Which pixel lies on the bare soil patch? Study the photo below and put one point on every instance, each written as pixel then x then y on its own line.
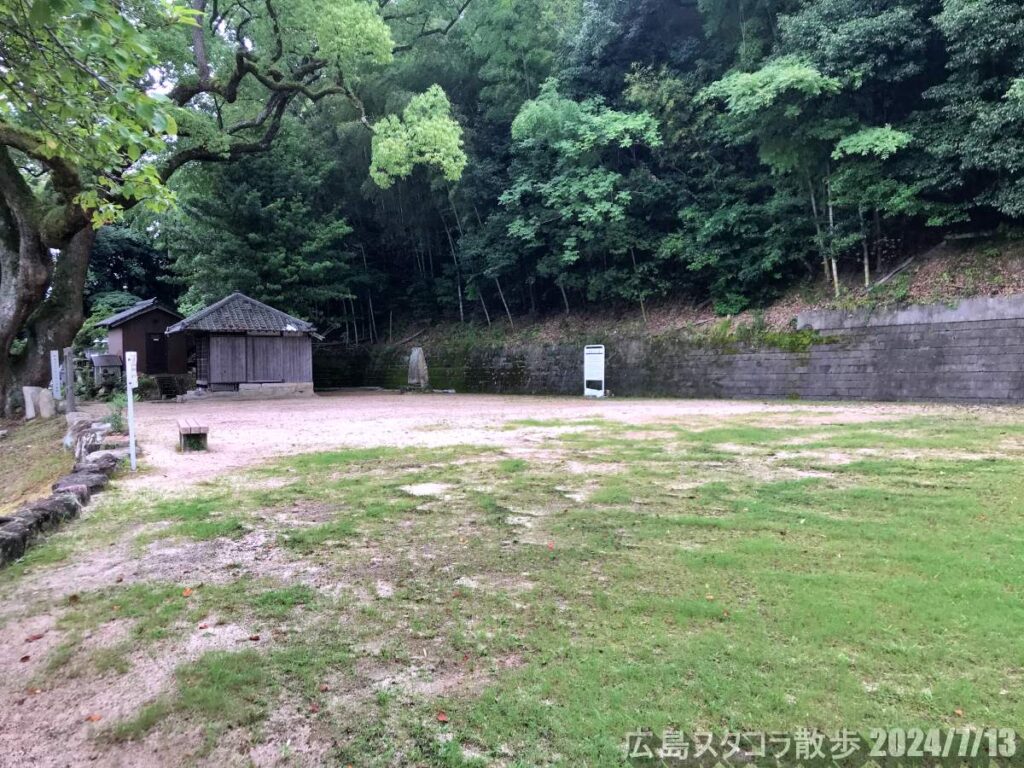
pixel 243 433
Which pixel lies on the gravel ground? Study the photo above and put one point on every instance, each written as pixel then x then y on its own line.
pixel 243 432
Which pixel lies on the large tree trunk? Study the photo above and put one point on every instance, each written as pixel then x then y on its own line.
pixel 25 267
pixel 40 295
pixel 56 320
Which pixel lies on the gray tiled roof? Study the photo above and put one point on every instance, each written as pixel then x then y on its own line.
pixel 134 310
pixel 238 313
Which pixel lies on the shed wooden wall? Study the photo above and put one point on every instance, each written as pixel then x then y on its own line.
pixel 115 343
pixel 130 336
pixel 227 359
pixel 238 358
pixel 265 354
pixel 297 358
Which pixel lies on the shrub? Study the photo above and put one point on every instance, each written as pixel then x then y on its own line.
pixel 117 405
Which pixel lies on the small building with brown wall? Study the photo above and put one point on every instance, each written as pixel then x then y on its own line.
pixel 141 328
pixel 243 345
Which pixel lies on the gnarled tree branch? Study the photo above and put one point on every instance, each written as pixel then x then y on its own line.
pixel 435 31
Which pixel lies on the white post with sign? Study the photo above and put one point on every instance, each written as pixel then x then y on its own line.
pixel 131 381
pixel 593 370
pixel 55 375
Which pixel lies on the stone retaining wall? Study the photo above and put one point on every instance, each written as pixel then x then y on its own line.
pixel 91 472
pixel 973 352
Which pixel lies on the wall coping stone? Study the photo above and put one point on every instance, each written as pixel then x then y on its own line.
pixel 966 311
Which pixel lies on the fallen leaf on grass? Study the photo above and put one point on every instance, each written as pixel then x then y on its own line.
pixel 325 688
pixel 24 658
pixel 203 626
pixel 187 592
pixel 958 712
pixel 254 638
pixel 73 598
pixel 442 716
pixel 314 707
pixel 33 638
pixel 93 718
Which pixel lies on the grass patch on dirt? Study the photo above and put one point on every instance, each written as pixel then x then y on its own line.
pixel 31 459
pixel 700 578
pixel 554 423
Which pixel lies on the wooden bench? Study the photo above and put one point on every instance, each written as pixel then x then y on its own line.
pixel 192 434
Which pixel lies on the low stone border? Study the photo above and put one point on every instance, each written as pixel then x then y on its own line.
pixel 90 474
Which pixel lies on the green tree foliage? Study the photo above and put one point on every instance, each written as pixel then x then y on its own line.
pixel 476 160
pixel 125 260
pixel 69 95
pixel 979 127
pixel 102 103
pixel 102 305
pixel 425 135
pixel 570 195
pixel 273 235
pixel 617 150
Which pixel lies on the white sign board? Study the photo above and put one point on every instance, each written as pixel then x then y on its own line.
pixel 55 374
pixel 131 381
pixel 593 370
pixel 131 369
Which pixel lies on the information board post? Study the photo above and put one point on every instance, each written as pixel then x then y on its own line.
pixel 55 389
pixel 593 370
pixel 131 381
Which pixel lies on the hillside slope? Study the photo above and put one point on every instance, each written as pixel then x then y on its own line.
pixel 949 272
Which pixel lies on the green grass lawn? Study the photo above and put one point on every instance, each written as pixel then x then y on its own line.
pixel 31 458
pixel 750 576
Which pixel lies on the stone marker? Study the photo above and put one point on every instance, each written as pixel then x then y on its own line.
pixel 31 397
pixel 46 405
pixel 418 369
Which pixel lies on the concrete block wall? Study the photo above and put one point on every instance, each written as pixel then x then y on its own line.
pixel 971 353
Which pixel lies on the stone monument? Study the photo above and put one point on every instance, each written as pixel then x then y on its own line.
pixel 418 377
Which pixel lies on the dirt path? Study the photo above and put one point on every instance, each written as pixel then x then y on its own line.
pixel 246 432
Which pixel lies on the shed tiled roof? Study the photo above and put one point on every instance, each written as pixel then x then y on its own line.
pixel 238 313
pixel 134 310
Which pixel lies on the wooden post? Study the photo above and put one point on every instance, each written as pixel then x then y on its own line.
pixel 69 379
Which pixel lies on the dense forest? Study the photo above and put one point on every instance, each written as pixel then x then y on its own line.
pixel 537 156
pixel 620 150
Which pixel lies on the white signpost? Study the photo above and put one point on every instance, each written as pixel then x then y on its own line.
pixel 593 370
pixel 131 381
pixel 55 375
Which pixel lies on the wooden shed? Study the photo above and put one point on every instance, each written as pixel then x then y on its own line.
pixel 243 344
pixel 140 328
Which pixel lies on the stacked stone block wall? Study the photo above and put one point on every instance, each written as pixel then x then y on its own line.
pixel 971 353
